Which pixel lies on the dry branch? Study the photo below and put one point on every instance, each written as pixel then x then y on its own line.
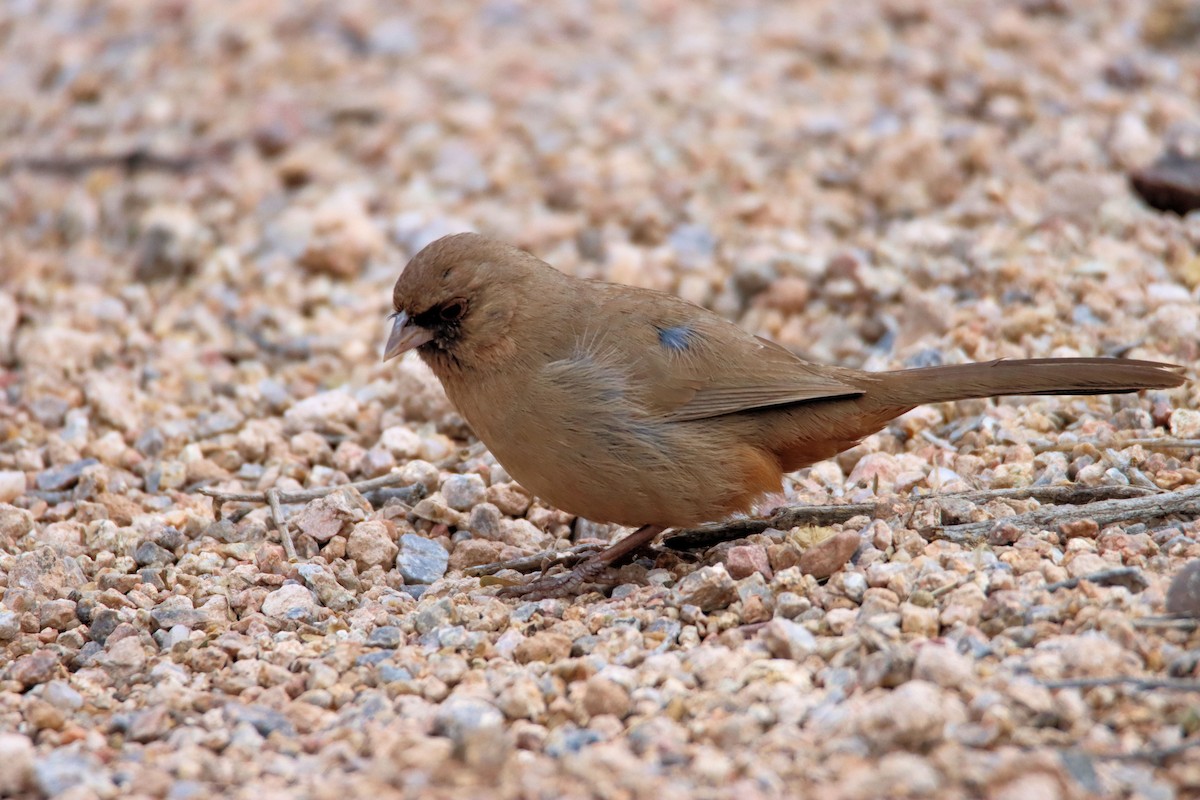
pixel 1106 512
pixel 1172 684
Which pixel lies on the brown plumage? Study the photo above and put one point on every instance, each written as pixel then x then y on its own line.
pixel 632 406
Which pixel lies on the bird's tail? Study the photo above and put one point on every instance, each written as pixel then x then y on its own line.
pixel 912 387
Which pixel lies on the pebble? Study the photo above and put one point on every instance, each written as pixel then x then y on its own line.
pixel 331 515
pixel 913 716
pixel 421 560
pixel 743 561
pixel 485 522
pixel 435 509
pixel 463 492
pixel 66 768
pixel 943 665
pixel 824 559
pixel 12 485
pixel 33 668
pixel 545 646
pixel 1185 423
pixel 64 477
pixel 476 729
pixel 510 498
pixel 404 444
pixel 388 636
pixel 433 615
pixel 1183 595
pixel 17 755
pixel 290 602
pixel 372 544
pixel 708 588
pixel 330 593
pixel 787 639
pixel 321 410
pixel 603 696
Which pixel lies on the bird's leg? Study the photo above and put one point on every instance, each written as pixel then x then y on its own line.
pixel 571 583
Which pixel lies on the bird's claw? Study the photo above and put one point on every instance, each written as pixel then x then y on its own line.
pixel 567 584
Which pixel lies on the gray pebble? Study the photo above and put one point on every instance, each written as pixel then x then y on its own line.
pixel 463 492
pixel 432 615
pixel 421 560
pixel 476 728
pixel 787 639
pixel 60 694
pixel 151 554
pixel 386 636
pixel 10 625
pixel 484 522
pixel 63 477
pixel 66 768
pixel 264 720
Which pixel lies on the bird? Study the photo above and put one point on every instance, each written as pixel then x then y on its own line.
pixel 632 406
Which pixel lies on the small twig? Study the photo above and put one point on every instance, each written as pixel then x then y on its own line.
pixel 1129 577
pixel 285 534
pixel 1158 442
pixel 304 495
pixel 1065 494
pixel 1133 681
pixel 782 519
pixel 276 498
pixel 954 584
pixel 933 438
pixel 131 160
pixel 1167 623
pixel 1165 442
pixel 793 516
pixel 543 560
pixel 1104 512
pixel 1155 755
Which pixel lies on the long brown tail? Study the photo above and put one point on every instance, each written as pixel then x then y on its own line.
pixel 912 387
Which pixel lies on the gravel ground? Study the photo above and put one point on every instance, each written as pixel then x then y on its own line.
pixel 203 207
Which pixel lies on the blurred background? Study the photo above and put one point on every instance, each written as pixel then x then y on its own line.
pixel 857 180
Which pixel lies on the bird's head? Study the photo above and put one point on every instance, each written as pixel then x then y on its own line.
pixel 458 298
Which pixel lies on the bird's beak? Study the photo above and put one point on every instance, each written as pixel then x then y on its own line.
pixel 405 336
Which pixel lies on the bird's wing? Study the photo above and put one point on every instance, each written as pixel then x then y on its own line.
pixel 688 363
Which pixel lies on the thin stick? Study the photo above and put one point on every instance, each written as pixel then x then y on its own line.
pixel 1171 684
pixel 794 516
pixel 131 160
pixel 1104 512
pixel 304 495
pixel 1167 623
pixel 782 519
pixel 285 534
pixel 1154 443
pixel 1155 755
pixel 1165 442
pixel 1129 577
pixel 1065 494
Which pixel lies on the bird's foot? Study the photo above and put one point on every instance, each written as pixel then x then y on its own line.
pixel 564 584
pixel 569 584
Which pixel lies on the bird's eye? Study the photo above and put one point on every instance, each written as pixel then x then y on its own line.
pixel 453 311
